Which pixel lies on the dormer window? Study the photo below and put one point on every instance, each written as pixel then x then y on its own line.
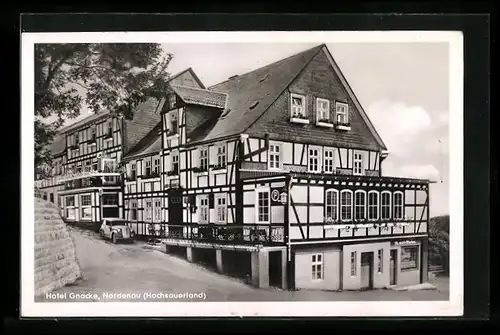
pixel 298 109
pixel 342 116
pixel 323 113
pixel 173 124
pixel 172 100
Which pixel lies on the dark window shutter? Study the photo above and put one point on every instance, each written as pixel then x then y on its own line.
pixel 211 200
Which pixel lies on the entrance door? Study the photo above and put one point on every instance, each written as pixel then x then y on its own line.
pixel 367 270
pixel 393 267
pixel 175 219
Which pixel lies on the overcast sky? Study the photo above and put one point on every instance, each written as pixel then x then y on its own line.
pixel 404 88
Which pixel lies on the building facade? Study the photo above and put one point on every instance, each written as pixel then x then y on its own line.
pixel 276 174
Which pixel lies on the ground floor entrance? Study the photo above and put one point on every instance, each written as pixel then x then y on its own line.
pixel 393 266
pixel 366 270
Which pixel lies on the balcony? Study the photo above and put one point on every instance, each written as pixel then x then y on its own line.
pixel 228 234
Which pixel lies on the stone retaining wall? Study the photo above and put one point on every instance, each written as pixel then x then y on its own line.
pixel 56 264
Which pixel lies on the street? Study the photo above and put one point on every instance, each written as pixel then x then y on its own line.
pixel 132 269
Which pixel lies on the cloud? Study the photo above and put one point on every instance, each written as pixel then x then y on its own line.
pixel 399 125
pixel 418 171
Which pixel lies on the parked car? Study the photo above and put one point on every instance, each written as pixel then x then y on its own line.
pixel 116 230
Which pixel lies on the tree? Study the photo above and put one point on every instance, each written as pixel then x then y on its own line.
pixel 439 241
pixel 113 77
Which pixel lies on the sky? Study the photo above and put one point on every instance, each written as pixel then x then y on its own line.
pixel 403 87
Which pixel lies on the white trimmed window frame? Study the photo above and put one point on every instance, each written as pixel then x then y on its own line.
pixel 204 209
pixel 314 160
pixel 375 206
pixel 294 109
pixel 395 205
pixel 69 207
pixel 348 206
pixel 274 158
pixel 358 166
pixel 323 113
pixel 157 209
pixel 133 209
pixel 204 158
pixel 221 155
pixel 388 206
pixel 148 210
pixel 156 165
pixel 356 205
pixel 82 206
pixel 317 268
pixel 341 112
pixel 220 205
pixel 329 161
pixel 175 162
pixel 332 207
pixel 258 191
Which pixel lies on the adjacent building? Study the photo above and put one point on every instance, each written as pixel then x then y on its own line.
pixel 275 174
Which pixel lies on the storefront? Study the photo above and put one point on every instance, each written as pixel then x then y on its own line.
pixel 361 266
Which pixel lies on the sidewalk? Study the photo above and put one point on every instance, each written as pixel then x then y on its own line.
pixel 417 287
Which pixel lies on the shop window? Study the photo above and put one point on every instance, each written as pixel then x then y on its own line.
pixel 409 258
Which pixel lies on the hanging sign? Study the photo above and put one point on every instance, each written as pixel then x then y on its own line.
pixel 276 198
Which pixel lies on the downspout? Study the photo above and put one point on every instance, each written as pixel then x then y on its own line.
pixel 289 269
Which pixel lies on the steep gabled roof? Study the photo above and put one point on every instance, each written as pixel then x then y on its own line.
pixel 149 144
pixel 58 145
pixel 202 97
pixel 250 94
pixel 96 116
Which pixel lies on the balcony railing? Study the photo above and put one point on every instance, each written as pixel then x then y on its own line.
pixel 238 234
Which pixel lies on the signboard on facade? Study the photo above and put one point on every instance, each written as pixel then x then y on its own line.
pixel 404 242
pixel 276 195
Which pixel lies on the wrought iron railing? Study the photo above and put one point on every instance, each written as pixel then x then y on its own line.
pixel 239 234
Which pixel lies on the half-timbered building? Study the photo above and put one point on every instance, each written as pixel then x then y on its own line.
pixel 277 173
pixel 85 178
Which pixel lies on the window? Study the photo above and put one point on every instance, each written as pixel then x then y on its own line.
pixel 317 266
pixel 85 205
pixel 328 164
pixel 175 163
pixel 95 166
pixel 204 159
pixel 70 207
pixel 357 163
pixel 148 212
pixel 148 167
pixel 220 208
pixel 332 209
pixel 172 101
pixel 373 205
pixel 51 196
pixel 346 205
pixel 92 137
pixel 274 156
pixel 109 165
pixel 88 166
pixel 156 166
pixel 313 160
pixel 157 210
pixel 353 264
pixel 133 209
pixel 398 205
pixel 341 113
pixel 77 139
pixel 110 199
pixel 380 260
pixel 109 126
pixel 298 106
pixel 360 205
pixel 174 122
pixel 133 171
pixel 323 110
pixel 203 218
pixel 263 206
pixel 385 205
pixel 221 155
pixel 409 258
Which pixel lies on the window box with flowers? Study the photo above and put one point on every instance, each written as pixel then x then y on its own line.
pixel 299 118
pixel 173 173
pixel 343 126
pixel 215 168
pixel 324 123
pixel 201 171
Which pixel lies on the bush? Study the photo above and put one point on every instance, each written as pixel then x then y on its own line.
pixel 439 241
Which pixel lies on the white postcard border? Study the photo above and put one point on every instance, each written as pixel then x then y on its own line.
pixel 453 307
